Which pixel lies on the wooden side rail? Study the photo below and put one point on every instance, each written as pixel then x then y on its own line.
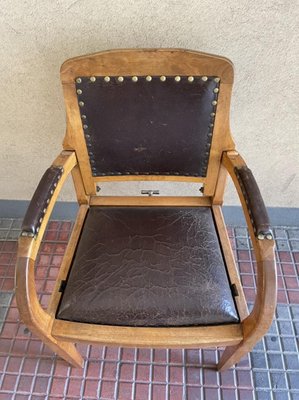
pixel 259 320
pixel 31 312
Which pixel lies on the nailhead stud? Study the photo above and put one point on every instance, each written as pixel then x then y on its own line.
pixel 120 79
pixel 177 78
pixel 79 91
pixel 81 103
pixel 135 78
pixel 217 80
pixel 83 116
pixel 148 78
pixel 92 78
pixel 204 78
pixel 162 78
pixel 190 78
pixel 107 79
pixel 214 102
pixel 261 236
pixel 216 90
pixel 78 80
pixel 269 236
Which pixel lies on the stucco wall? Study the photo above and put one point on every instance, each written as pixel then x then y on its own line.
pixel 259 37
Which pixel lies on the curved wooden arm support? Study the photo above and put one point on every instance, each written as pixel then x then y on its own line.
pixel 259 320
pixel 31 312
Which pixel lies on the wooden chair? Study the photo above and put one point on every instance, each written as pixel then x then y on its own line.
pixel 148 271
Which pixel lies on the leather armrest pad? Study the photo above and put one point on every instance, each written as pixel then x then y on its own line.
pixel 254 201
pixel 40 200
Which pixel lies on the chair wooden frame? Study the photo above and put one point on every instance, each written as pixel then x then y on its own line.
pixel 61 335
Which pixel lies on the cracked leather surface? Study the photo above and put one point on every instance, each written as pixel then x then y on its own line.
pixel 162 128
pixel 148 266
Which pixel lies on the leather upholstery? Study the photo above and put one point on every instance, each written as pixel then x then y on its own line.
pixel 148 266
pixel 40 200
pixel 254 201
pixel 142 127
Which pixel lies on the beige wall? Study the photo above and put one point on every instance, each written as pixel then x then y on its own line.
pixel 260 37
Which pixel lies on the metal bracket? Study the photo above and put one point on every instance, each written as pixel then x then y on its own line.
pixel 150 192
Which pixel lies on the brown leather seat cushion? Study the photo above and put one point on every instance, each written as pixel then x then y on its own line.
pixel 148 266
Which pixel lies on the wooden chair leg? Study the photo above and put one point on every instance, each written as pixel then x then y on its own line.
pixel 65 350
pixel 232 355
pixel 35 318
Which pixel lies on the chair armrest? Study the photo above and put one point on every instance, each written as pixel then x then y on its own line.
pixel 33 228
pixel 40 200
pixel 261 316
pixel 254 202
pixel 250 196
pixel 46 193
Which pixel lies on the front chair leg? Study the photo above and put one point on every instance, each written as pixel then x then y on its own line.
pixel 35 318
pixel 65 350
pixel 232 355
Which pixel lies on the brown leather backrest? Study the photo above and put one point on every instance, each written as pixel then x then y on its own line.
pixel 148 125
pixel 148 112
